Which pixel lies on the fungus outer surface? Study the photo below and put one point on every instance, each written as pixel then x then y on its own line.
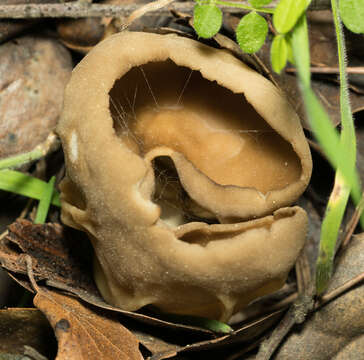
pixel 181 161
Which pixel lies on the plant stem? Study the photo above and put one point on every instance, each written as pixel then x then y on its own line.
pixel 242 6
pixel 35 154
pixel 18 160
pixel 348 136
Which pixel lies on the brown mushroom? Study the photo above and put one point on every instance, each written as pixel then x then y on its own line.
pixel 181 161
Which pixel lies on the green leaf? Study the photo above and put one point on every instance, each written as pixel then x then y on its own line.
pixel 287 14
pixel 352 15
pixel 251 32
pixel 279 53
pixel 207 20
pixel 260 3
pixel 45 202
pixel 22 184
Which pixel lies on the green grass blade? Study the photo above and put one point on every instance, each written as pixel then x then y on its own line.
pixel 45 202
pixel 324 131
pixel 22 184
pixel 347 157
pixel 329 232
pixel 340 150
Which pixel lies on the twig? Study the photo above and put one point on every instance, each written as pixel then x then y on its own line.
pixel 268 347
pixel 353 223
pixel 339 291
pixel 316 147
pixel 29 264
pixel 82 10
pixel 302 305
pixel 331 70
pixel 142 10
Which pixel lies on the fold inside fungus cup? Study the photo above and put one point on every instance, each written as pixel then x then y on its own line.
pixel 181 161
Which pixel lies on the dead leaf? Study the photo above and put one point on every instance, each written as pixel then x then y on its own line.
pixel 56 253
pixel 85 333
pixel 34 72
pixel 335 331
pixel 25 327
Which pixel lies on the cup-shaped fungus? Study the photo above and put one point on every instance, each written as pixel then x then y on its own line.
pixel 181 161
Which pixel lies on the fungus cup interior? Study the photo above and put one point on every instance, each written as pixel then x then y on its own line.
pixel 160 105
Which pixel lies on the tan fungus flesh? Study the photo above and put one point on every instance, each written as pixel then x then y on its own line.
pixel 163 173
pixel 195 116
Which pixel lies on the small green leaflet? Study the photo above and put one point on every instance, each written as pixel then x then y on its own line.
pixel 251 32
pixel 259 3
pixel 287 13
pixel 279 53
pixel 45 202
pixel 207 20
pixel 352 15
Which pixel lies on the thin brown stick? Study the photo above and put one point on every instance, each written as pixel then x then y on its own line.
pixel 331 70
pixel 353 223
pixel 79 9
pixel 29 264
pixel 269 346
pixel 316 147
pixel 339 291
pixel 302 305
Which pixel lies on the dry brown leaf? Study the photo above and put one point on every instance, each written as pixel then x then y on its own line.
pixel 34 72
pixel 85 333
pixel 335 331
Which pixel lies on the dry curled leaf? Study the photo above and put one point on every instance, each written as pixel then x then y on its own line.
pixel 56 254
pixel 85 333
